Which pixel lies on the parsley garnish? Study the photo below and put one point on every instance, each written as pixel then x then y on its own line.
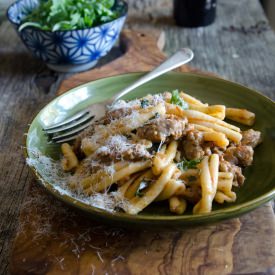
pixel 188 164
pixel 144 103
pixel 177 100
pixel 157 115
pixel 141 188
pixel 53 15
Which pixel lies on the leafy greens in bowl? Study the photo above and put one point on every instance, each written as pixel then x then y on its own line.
pixel 68 35
pixel 53 15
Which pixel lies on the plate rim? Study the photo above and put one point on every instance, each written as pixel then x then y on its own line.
pixel 221 214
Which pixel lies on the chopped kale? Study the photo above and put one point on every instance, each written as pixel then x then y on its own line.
pixel 157 115
pixel 188 164
pixel 144 103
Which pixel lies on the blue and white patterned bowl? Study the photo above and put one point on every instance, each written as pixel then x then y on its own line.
pixel 67 51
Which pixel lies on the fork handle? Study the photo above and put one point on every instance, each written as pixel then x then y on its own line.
pixel 179 58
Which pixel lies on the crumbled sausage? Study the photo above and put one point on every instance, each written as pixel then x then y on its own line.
pixel 226 166
pixel 116 114
pixel 192 145
pixel 239 155
pixel 192 193
pixel 251 138
pixel 89 131
pixel 208 147
pixel 135 152
pixel 159 129
pixel 119 147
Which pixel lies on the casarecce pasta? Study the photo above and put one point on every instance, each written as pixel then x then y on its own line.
pixel 168 147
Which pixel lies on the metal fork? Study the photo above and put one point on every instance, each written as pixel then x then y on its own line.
pixel 68 129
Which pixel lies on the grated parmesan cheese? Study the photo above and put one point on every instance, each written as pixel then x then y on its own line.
pixel 156 99
pixel 153 99
pixel 105 141
pixel 118 147
pixel 52 173
pixel 116 143
pixel 124 104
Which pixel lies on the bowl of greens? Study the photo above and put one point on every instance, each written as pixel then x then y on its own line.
pixel 68 35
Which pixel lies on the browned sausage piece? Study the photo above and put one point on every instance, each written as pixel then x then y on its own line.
pixel 159 129
pixel 251 138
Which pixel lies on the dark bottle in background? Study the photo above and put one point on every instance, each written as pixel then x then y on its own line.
pixel 194 13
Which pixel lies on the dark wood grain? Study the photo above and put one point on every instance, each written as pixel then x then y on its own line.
pixel 54 239
pixel 22 93
pixel 26 85
pixel 57 239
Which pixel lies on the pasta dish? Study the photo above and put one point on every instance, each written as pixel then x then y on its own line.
pixel 165 147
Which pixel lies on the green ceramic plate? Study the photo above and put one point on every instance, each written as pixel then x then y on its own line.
pixel 258 187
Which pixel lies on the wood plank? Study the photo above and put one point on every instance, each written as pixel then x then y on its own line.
pixel 53 238
pixel 26 84
pixel 255 240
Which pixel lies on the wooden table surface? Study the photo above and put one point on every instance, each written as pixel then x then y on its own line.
pixel 240 46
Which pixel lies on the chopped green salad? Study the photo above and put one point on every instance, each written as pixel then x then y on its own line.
pixel 55 15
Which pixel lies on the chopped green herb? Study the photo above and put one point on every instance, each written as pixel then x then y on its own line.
pixel 54 15
pixel 188 164
pixel 143 185
pixel 177 100
pixel 144 103
pixel 157 115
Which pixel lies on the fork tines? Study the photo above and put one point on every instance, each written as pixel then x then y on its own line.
pixel 68 129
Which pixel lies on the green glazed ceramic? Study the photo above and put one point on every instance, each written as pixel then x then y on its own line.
pixel 260 177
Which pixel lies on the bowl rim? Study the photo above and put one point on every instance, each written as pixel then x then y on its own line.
pixel 122 15
pixel 216 215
